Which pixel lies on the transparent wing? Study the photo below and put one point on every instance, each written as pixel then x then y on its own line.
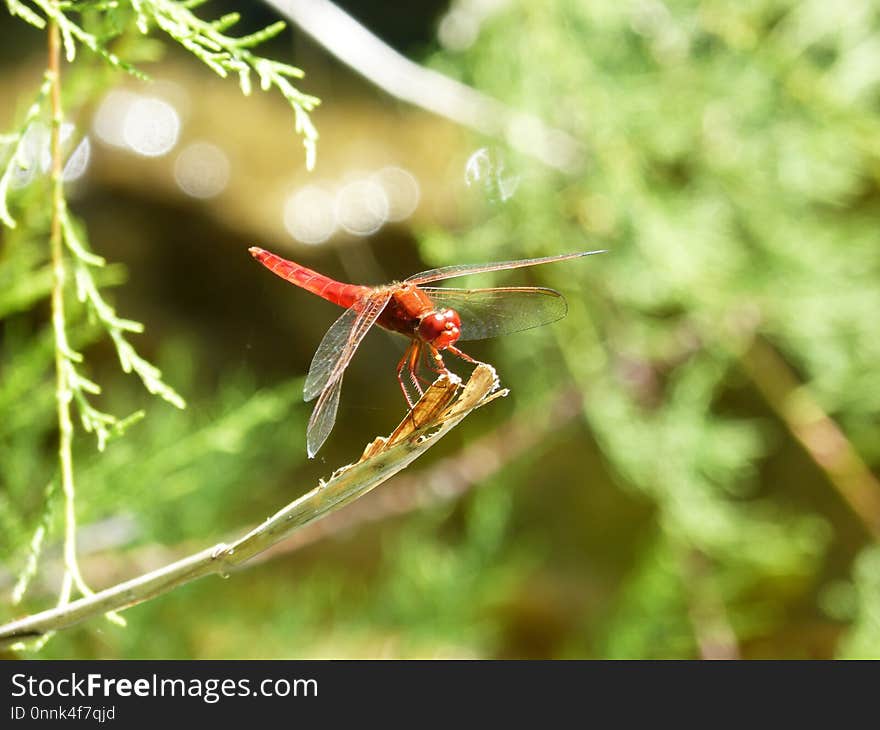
pixel 328 352
pixel 330 361
pixel 492 312
pixel 448 272
pixel 340 343
pixel 323 417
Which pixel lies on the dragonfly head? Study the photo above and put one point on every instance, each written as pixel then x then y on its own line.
pixel 441 328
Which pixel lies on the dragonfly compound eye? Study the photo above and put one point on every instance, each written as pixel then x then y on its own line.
pixel 440 329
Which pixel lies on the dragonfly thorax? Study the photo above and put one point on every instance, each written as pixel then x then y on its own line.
pixel 440 328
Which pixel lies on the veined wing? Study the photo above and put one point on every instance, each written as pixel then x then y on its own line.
pixel 492 312
pixel 448 272
pixel 330 361
pixel 340 342
pixel 323 417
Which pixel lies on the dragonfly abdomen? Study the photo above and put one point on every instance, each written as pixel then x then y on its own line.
pixel 345 295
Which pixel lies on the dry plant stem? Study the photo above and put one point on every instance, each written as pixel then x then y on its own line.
pixel 63 393
pixel 345 486
pixel 446 479
pixel 816 431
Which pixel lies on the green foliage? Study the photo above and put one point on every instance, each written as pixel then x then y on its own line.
pixel 442 592
pixel 730 149
pixel 16 159
pixel 651 618
pixel 224 55
pixel 37 139
pixel 863 638
pixel 105 425
pixel 236 436
pixel 421 591
pixel 206 40
pixel 730 167
pixel 228 439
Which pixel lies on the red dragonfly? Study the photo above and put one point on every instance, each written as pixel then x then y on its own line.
pixel 434 320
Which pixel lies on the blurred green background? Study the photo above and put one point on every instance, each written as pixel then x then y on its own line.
pixel 684 465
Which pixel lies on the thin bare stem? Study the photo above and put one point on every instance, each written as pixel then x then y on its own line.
pixel 447 479
pixel 816 431
pixel 63 393
pixel 442 408
pixel 63 353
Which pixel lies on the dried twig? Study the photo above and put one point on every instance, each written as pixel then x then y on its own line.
pixel 444 405
pixel 446 479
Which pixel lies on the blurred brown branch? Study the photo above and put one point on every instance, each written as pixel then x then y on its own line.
pixel 368 55
pixel 816 431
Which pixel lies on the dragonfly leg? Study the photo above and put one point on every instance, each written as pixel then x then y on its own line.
pixel 463 355
pixel 400 366
pixel 436 361
pixel 415 353
pixel 410 361
pixel 431 354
